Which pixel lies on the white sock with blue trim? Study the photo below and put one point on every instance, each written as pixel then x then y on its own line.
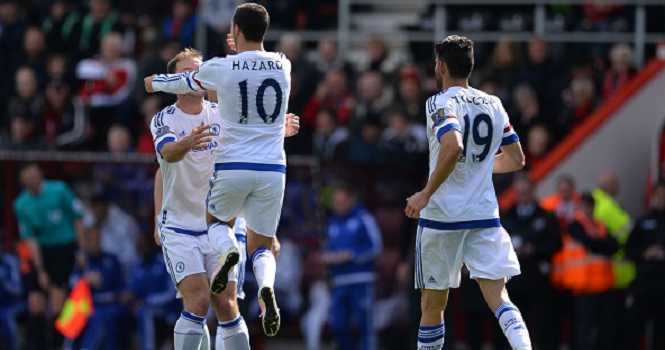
pixel 431 337
pixel 188 331
pixel 513 326
pixel 221 237
pixel 265 267
pixel 232 335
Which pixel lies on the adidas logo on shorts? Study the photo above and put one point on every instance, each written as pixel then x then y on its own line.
pixel 431 279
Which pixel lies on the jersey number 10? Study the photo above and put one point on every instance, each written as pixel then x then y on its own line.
pixel 485 141
pixel 260 108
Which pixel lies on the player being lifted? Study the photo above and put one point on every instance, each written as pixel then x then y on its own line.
pixel 186 134
pixel 458 211
pixel 249 173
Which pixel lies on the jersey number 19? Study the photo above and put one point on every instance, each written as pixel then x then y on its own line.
pixel 485 141
pixel 260 108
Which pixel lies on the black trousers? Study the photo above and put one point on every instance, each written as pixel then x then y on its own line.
pixel 641 306
pixel 594 321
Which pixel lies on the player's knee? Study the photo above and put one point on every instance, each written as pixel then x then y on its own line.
pixel 227 306
pixel 197 304
pixel 433 302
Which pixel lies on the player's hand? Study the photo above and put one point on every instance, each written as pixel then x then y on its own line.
pixel 415 204
pixel 292 124
pixel 231 43
pixel 155 235
pixel 199 138
pixel 148 84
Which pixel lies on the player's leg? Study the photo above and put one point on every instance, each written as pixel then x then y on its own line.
pixel 437 268
pixel 341 310
pixel 491 259
pixel 185 263
pixel 262 211
pixel 232 332
pixel 226 198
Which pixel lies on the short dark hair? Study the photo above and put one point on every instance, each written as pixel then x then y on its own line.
pixel 27 165
pixel 566 178
pixel 100 199
pixel 253 21
pixel 587 199
pixel 348 189
pixel 187 53
pixel 457 52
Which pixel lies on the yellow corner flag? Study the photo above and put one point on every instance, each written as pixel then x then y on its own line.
pixel 76 311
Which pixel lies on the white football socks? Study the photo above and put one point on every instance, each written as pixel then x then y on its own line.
pixel 221 237
pixel 205 338
pixel 233 335
pixel 431 337
pixel 513 326
pixel 265 267
pixel 188 331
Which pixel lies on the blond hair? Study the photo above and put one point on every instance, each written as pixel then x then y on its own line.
pixel 187 53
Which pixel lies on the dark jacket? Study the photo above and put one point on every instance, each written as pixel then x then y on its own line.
pixel 538 227
pixel 648 230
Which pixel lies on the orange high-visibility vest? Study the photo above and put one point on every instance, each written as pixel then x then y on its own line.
pixel 576 269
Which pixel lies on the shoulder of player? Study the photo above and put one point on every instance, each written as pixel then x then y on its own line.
pixel 163 118
pixel 440 100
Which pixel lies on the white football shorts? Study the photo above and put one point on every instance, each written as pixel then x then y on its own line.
pixel 187 255
pixel 487 252
pixel 257 196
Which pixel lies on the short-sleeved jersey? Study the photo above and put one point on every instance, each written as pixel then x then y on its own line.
pixel 186 181
pixel 49 217
pixel 466 200
pixel 253 88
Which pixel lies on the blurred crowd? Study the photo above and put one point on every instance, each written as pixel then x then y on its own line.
pixel 72 80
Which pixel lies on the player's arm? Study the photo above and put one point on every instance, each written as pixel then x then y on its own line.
pixel 173 150
pixel 180 83
pixel 450 149
pixel 158 197
pixel 510 159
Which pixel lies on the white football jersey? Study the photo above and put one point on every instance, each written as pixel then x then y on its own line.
pixel 253 89
pixel 185 182
pixel 466 200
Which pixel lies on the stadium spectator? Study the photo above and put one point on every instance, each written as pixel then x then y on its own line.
pixel 328 135
pixel 59 26
pixel 118 230
pixel 109 77
pixel 404 142
pixel 535 235
pixel 331 93
pixel 181 23
pixel 302 84
pixel 620 71
pixel 33 55
pixel 100 21
pixel 410 94
pixel 378 57
pixel 149 108
pixel 57 68
pixel 646 296
pixel 617 221
pixel 542 73
pixel 527 111
pixel 51 233
pixel 24 133
pixel 120 182
pixel 581 102
pixel 505 62
pixel 217 15
pixel 64 117
pixel 329 59
pixel 564 203
pixel 104 274
pixel 150 292
pixel 353 241
pixel 155 63
pixel 373 103
pixel 365 148
pixel 12 299
pixel 28 99
pixel 586 270
pixel 537 145
pixel 11 38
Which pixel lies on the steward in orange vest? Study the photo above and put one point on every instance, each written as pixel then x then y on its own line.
pixel 584 267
